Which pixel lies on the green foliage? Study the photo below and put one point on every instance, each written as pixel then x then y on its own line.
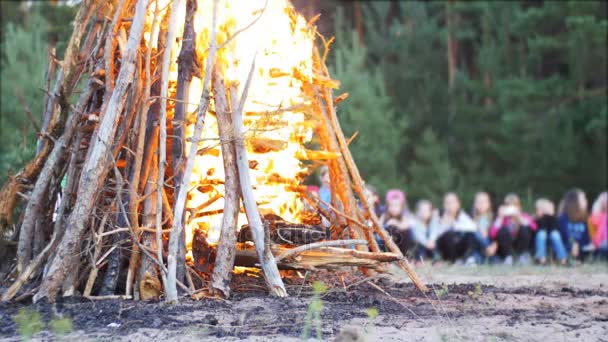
pixel 24 64
pixel 61 325
pixel 527 113
pixel 28 323
pixel 371 313
pixel 314 311
pixel 27 31
pixel 368 111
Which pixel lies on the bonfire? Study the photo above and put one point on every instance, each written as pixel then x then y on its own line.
pixel 174 149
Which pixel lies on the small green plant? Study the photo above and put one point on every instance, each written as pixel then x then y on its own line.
pixel 314 310
pixel 28 323
pixel 477 291
pixel 371 313
pixel 442 291
pixel 61 325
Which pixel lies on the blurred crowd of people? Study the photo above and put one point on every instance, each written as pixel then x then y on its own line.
pixel 568 234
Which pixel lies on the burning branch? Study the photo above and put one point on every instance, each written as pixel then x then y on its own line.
pixel 180 202
pixel 262 246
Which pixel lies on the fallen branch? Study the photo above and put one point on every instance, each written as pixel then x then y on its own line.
pixel 331 243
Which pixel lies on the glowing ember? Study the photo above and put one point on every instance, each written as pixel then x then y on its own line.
pixel 276 126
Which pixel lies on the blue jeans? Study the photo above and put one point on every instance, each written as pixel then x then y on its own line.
pixel 556 244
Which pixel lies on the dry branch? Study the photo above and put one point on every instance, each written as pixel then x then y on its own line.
pixel 95 164
pixel 226 249
pixel 180 201
pixel 162 142
pixel 262 245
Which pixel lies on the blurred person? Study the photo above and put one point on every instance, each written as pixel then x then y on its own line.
pixel 374 199
pixel 456 238
pixel 513 231
pixel 325 190
pixel 547 230
pixel 598 224
pixel 398 221
pixel 483 217
pixel 573 226
pixel 425 229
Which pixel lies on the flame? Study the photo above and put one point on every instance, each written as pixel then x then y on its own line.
pixel 276 124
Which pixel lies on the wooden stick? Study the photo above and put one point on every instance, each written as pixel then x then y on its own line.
pixel 95 164
pixel 359 186
pixel 271 272
pixel 180 202
pixel 331 243
pixel 226 249
pixel 162 142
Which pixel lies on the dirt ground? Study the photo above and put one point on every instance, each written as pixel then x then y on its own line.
pixel 496 303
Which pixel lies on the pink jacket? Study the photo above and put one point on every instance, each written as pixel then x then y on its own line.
pixel 505 221
pixel 600 221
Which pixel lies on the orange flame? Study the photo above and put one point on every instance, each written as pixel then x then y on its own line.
pixel 275 120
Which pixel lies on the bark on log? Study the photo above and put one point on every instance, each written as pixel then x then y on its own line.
pixel 226 249
pixel 96 163
pixel 321 258
pixel 187 67
pixel 10 190
pixel 180 201
pixel 162 143
pixel 37 203
pixel 262 246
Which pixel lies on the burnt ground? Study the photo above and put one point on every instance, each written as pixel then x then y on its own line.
pixel 485 306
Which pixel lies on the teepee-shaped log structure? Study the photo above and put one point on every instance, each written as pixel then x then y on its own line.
pixel 177 136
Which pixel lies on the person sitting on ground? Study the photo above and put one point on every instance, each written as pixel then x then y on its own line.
pixel 483 217
pixel 325 190
pixel 547 230
pixel 398 221
pixel 374 199
pixel 456 229
pixel 425 230
pixel 598 225
pixel 572 224
pixel 513 231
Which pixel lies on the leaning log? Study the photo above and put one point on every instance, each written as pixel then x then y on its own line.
pixel 180 200
pixel 95 164
pixel 226 249
pixel 262 246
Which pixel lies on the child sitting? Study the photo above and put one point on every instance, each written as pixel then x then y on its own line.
pixel 598 224
pixel 457 232
pixel 483 217
pixel 513 231
pixel 572 224
pixel 425 230
pixel 547 229
pixel 397 221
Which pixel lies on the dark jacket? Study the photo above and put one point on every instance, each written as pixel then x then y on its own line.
pixel 547 222
pixel 573 231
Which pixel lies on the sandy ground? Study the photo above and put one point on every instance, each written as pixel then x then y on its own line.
pixel 466 304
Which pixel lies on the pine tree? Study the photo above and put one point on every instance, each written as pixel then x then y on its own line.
pixel 369 112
